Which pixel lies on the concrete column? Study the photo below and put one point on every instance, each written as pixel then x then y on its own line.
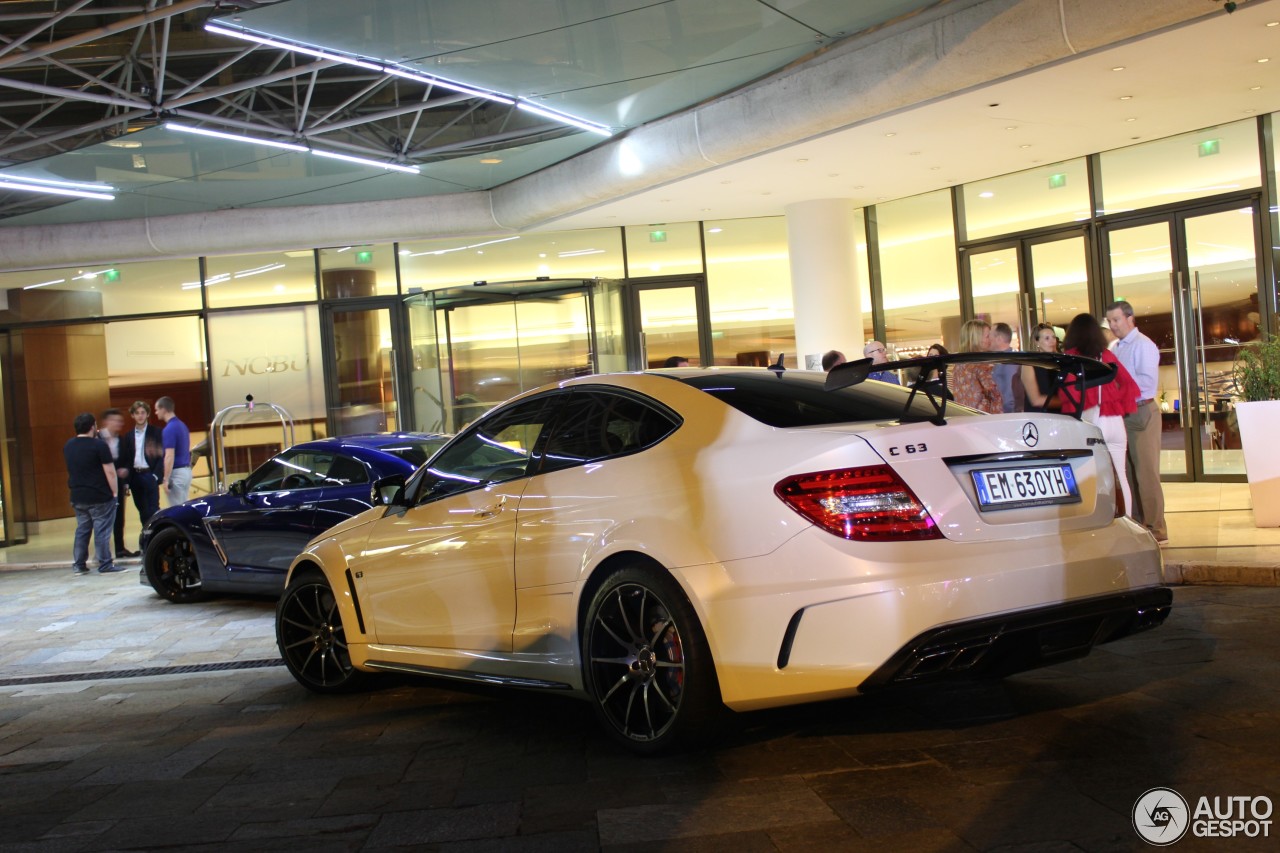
pixel 825 287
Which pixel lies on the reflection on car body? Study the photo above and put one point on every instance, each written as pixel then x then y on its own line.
pixel 244 539
pixel 668 543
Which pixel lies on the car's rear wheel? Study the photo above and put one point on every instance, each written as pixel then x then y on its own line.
pixel 646 662
pixel 312 639
pixel 171 567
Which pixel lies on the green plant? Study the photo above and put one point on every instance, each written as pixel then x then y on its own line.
pixel 1258 370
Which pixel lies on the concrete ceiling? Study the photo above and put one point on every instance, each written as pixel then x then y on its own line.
pixel 1221 69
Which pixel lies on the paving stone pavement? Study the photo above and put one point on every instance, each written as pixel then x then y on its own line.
pixel 244 759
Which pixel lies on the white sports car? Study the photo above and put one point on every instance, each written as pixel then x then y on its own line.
pixel 671 542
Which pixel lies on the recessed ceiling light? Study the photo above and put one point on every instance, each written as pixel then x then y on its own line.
pixel 986 194
pixel 1118 68
pixel 491 160
pixel 1024 146
pixel 767 192
pixel 706 210
pixel 859 187
pixel 1011 127
pixel 714 230
pixel 913 153
pixel 802 160
pixel 934 168
pixel 1126 97
pixel 833 174
pixel 1273 23
pixel 1249 112
pixel 1254 88
pixel 1264 59
pixel 722 183
pixel 887 135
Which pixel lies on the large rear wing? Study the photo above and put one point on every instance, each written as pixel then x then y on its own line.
pixel 1083 373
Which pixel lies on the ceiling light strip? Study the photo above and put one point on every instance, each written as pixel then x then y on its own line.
pixel 564 118
pixel 289 146
pixel 43 284
pixel 359 63
pixel 16 184
pixel 413 170
pixel 416 76
pixel 234 137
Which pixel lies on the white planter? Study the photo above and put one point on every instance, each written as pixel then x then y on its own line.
pixel 1259 430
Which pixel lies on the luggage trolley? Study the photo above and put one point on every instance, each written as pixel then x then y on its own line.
pixel 218 434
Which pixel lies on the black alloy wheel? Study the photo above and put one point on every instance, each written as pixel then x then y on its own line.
pixel 647 666
pixel 171 567
pixel 312 640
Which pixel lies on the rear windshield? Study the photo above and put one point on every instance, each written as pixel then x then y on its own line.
pixel 415 451
pixel 797 399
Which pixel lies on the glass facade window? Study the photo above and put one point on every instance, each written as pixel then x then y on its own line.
pixel 432 264
pixel 348 272
pixel 264 279
pixel 100 290
pixel 1045 195
pixel 275 356
pixel 919 283
pixel 668 249
pixel 749 288
pixel 1207 162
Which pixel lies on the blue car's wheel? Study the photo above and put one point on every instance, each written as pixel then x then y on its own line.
pixel 171 567
pixel 312 639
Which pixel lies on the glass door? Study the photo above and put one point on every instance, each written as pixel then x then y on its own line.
pixel 1028 282
pixel 472 348
pixel 1192 279
pixel 361 368
pixel 669 318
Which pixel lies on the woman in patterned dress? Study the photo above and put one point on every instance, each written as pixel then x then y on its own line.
pixel 974 385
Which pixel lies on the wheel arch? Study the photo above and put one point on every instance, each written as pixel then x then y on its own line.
pixel 617 560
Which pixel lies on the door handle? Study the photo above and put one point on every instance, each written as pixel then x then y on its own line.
pixel 492 509
pixel 306 506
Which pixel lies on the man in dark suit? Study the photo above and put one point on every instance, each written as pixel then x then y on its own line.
pixel 141 461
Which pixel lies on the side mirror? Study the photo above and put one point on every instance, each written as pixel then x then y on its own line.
pixel 389 491
pixel 237 488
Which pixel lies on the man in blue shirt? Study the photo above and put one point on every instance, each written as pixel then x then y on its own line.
pixel 176 439
pixel 1141 357
pixel 878 355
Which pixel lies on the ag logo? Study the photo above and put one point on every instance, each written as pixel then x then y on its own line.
pixel 1161 816
pixel 1030 435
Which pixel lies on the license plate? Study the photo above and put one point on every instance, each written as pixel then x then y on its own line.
pixel 1008 488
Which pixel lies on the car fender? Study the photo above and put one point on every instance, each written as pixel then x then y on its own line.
pixel 329 554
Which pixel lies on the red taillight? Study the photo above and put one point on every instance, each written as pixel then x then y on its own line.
pixel 869 504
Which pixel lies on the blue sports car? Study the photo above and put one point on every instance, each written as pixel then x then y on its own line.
pixel 243 540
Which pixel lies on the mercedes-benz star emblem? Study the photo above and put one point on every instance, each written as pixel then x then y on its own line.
pixel 1030 435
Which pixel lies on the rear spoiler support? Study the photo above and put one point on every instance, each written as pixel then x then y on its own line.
pixel 1071 375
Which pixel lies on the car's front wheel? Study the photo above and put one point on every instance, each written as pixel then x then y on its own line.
pixel 171 567
pixel 646 662
pixel 312 639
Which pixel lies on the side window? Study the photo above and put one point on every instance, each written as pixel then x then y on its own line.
pixel 343 471
pixel 497 448
pixel 597 425
pixel 299 469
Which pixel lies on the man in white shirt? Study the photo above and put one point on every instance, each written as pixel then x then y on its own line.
pixel 1141 357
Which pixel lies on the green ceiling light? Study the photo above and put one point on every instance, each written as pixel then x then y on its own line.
pixel 111 276
pixel 657 236
pixel 1057 180
pixel 1209 147
pixel 364 257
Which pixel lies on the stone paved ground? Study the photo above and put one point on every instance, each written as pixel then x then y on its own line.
pixel 246 760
